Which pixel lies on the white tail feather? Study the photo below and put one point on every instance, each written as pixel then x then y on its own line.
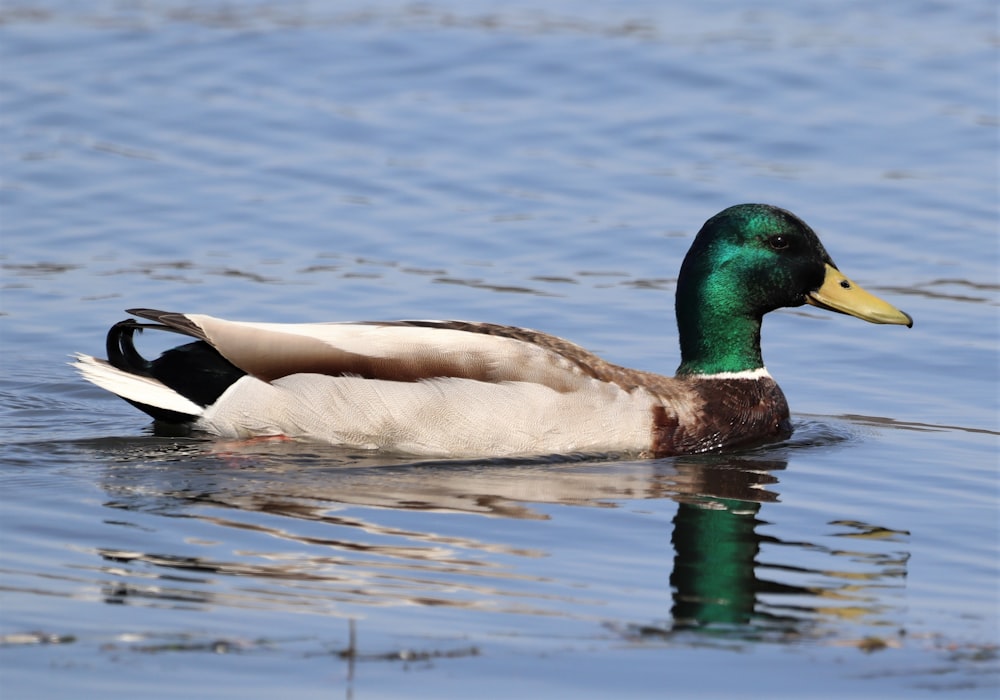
pixel 142 390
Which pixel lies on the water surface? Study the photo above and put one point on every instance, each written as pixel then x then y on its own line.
pixel 541 167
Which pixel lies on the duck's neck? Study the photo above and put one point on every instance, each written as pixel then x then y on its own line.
pixel 714 340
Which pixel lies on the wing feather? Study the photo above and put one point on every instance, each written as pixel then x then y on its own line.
pixel 405 351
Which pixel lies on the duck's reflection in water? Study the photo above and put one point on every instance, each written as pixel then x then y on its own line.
pixel 338 549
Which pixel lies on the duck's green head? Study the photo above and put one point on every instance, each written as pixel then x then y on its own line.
pixel 747 260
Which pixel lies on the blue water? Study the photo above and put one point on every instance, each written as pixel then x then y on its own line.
pixel 538 166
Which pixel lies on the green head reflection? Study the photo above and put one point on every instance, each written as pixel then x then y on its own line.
pixel 715 553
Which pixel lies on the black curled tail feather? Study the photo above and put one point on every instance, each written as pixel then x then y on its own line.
pixel 122 354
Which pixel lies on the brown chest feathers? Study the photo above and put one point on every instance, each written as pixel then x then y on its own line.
pixel 725 413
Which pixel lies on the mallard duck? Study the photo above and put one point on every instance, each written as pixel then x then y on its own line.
pixel 454 388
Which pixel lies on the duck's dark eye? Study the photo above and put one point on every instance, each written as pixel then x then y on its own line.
pixel 778 242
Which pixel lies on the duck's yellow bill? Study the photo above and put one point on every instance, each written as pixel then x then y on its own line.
pixel 838 293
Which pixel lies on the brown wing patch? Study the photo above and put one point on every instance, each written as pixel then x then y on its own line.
pixel 307 355
pixel 270 353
